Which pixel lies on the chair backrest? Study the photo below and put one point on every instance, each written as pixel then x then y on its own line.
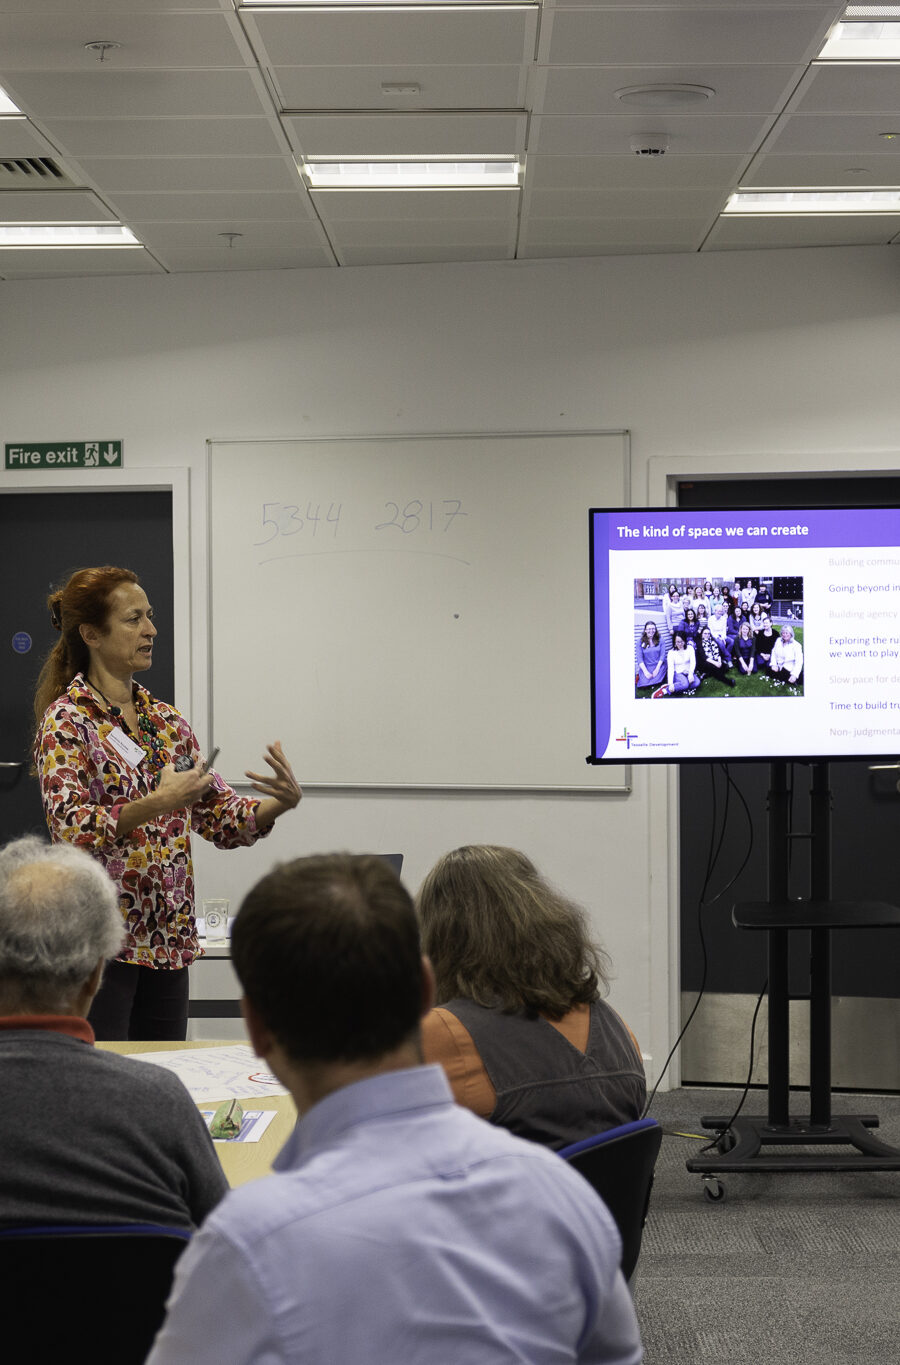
pixel 619 1164
pixel 99 1292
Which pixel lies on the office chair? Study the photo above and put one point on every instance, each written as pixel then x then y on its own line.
pixel 88 1292
pixel 619 1164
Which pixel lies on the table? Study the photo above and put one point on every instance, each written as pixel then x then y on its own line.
pixel 241 1161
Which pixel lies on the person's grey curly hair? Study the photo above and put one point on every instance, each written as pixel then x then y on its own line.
pixel 498 933
pixel 59 914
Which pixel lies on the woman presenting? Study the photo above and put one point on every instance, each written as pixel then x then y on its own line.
pixel 122 776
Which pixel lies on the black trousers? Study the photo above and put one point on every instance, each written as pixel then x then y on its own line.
pixel 140 1004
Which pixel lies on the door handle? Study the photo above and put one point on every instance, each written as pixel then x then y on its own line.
pixel 12 765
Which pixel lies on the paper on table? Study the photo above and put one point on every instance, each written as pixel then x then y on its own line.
pixel 214 1073
pixel 253 1125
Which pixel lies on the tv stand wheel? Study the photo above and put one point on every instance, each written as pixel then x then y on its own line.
pixel 713 1189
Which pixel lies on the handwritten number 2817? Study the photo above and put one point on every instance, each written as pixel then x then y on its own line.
pixel 416 515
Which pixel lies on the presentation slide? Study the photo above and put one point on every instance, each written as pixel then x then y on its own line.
pixel 744 634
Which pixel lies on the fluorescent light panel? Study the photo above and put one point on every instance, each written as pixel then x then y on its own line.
pixel 386 4
pixel 821 201
pixel 486 173
pixel 66 235
pixel 865 33
pixel 7 106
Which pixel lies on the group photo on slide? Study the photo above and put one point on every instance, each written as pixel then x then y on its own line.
pixel 718 637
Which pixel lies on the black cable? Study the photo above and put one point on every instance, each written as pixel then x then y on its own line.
pixel 720 1132
pixel 715 849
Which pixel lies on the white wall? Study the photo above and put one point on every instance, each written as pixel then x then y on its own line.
pixel 714 360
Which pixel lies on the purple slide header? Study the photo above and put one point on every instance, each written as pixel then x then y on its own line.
pixel 820 529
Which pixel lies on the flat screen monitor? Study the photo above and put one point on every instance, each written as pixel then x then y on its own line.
pixel 744 634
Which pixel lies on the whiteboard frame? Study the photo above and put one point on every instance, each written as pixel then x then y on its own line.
pixel 609 788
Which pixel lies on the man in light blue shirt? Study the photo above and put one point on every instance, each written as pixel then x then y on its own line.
pixel 399 1227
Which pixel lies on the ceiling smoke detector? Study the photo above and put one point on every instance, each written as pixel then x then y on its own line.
pixel 650 144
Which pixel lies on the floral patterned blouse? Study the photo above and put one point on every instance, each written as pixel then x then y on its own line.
pixel 85 784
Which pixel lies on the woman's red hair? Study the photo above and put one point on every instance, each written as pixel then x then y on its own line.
pixel 83 601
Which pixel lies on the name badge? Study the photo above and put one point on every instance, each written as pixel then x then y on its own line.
pixel 125 747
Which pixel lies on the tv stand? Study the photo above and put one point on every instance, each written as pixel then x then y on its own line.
pixel 781 1141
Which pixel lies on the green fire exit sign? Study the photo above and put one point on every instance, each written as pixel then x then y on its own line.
pixel 65 455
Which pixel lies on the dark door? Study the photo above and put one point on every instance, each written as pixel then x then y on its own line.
pixel 44 538
pixel 865 817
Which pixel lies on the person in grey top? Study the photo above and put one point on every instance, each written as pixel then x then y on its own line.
pixel 87 1137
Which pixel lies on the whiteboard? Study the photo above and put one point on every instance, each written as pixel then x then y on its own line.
pixel 408 611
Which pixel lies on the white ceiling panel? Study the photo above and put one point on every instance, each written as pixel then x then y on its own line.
pixel 90 9
pixel 421 254
pixel 583 134
pixel 19 138
pixel 337 206
pixel 55 42
pixel 772 172
pixel 849 88
pixel 335 37
pixel 52 206
pixel 440 87
pixel 797 134
pixel 217 174
pixel 131 94
pixel 601 204
pixel 240 258
pixel 591 231
pixel 402 135
pixel 628 171
pixel 69 264
pixel 204 208
pixel 254 236
pixel 748 233
pixel 628 36
pixel 166 137
pixel 738 89
pixel 422 233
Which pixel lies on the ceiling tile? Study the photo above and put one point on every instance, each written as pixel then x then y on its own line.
pixel 131 94
pixel 739 89
pixel 53 206
pixel 166 137
pixel 849 88
pixel 797 134
pixel 845 230
pixel 205 208
pixel 401 135
pixel 843 169
pixel 335 37
pixel 627 36
pixel 337 206
pixel 440 86
pixel 626 171
pixel 218 174
pixel 608 134
pixel 55 41
pixel 421 254
pixel 60 263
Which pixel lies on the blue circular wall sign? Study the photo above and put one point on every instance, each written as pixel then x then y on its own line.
pixel 21 642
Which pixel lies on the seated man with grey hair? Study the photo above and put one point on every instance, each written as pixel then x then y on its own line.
pixel 86 1136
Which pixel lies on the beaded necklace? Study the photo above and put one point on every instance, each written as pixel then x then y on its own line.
pixel 148 732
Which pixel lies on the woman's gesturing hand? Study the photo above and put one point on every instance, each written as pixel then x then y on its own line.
pixel 280 786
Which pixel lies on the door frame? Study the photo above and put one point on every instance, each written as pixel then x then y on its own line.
pixel 149 479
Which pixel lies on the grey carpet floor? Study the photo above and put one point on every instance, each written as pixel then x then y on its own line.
pixel 791 1268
